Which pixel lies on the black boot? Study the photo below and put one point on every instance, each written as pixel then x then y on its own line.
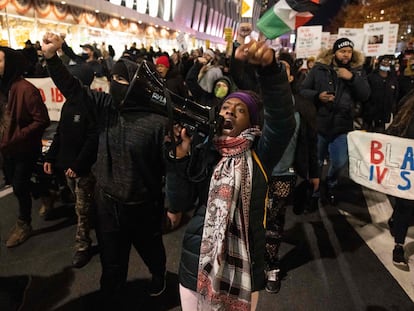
pixel 81 258
pixel 273 281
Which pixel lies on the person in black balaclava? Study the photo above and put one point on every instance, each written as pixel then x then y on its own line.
pixel 20 145
pixel 129 171
pixel 336 84
pixel 72 153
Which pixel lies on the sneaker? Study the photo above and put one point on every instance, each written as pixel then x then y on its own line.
pixel 157 285
pixel 398 257
pixel 273 281
pixel 19 233
pixel 331 197
pixel 81 258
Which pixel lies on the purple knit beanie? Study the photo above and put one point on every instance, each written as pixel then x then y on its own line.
pixel 250 103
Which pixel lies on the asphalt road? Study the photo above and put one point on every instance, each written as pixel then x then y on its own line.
pixel 337 258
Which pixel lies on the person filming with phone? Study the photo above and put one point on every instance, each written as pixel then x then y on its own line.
pixel 336 84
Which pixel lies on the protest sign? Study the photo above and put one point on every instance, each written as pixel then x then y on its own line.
pixel 356 35
pixel 382 162
pixel 376 38
pixel 308 42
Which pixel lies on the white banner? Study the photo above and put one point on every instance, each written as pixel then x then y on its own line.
pixel 308 41
pixel 54 99
pixel 382 162
pixel 356 35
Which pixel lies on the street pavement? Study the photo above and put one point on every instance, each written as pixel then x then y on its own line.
pixel 336 258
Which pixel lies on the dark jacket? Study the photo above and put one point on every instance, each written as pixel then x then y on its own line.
pixel 175 82
pixel 243 74
pixel 383 99
pixel 277 130
pixel 99 68
pixel 75 143
pixel 335 118
pixel 405 82
pixel 130 163
pixel 25 108
pixel 306 156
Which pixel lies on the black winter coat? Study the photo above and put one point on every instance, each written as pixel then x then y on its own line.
pixel 306 156
pixel 383 99
pixel 335 118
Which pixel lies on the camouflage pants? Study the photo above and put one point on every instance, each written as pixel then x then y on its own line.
pixel 280 188
pixel 83 190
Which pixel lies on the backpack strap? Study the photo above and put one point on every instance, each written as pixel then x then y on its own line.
pixel 256 158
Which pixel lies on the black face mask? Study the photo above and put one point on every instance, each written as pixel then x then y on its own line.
pixel 85 56
pixel 118 92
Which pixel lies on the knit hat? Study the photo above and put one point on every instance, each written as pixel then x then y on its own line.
pixel 250 103
pixel 342 43
pixel 210 53
pixel 163 60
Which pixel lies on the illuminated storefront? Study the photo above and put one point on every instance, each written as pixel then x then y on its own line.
pixel 100 21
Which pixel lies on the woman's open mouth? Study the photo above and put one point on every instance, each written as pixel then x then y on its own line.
pixel 228 124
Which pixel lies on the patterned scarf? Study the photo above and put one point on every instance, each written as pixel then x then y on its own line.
pixel 224 278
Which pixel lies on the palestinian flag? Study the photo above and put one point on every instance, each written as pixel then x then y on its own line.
pixel 287 15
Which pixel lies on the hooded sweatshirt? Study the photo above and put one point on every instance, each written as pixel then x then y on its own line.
pixel 26 111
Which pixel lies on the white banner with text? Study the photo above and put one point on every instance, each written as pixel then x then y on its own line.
pixel 382 162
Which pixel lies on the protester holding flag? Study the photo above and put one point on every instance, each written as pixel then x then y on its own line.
pixel 287 15
pixel 335 84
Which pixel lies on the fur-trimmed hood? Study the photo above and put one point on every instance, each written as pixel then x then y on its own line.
pixel 327 55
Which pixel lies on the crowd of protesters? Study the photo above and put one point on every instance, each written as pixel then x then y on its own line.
pixel 117 158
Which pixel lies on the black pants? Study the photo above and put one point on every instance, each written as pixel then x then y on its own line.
pixel 119 226
pixel 18 170
pixel 403 211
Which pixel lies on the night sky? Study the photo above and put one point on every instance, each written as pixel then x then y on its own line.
pixel 327 12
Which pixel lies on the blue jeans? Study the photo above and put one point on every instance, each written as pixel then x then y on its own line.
pixel 338 156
